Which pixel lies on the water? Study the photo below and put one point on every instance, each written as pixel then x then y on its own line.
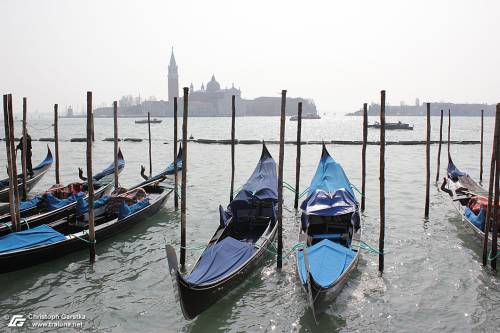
pixel 433 280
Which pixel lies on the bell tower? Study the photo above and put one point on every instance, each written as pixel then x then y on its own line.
pixel 173 78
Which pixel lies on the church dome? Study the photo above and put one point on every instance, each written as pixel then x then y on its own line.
pixel 213 85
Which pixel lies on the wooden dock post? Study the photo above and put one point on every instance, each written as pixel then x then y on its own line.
pixel 115 145
pixel 490 197
pixel 280 180
pixel 15 181
pixel 184 178
pixel 93 133
pixel 428 160
pixel 176 178
pixel 297 159
pixel 233 121
pixel 24 152
pixel 382 183
pixel 56 142
pixel 439 148
pixel 449 131
pixel 10 157
pixel 90 180
pixel 494 230
pixel 363 156
pixel 481 152
pixel 149 140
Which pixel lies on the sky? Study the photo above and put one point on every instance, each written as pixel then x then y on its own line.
pixel 338 53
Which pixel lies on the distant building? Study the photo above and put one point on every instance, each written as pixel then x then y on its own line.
pixel 209 101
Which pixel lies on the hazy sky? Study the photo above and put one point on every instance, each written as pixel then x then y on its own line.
pixel 340 53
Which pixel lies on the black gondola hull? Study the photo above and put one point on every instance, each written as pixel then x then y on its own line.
pixel 195 300
pixel 12 261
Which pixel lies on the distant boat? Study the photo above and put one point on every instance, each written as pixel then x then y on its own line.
pixel 306 116
pixel 145 121
pixel 393 126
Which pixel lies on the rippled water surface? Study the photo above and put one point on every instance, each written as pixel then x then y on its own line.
pixel 433 279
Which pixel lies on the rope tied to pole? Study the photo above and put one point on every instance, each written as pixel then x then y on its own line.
pixel 367 247
pixel 357 190
pixel 83 239
pixel 490 258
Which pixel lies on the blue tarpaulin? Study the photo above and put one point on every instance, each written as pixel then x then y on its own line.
pixel 54 203
pixel 453 171
pixel 477 220
pixel 327 261
pixel 25 205
pixel 261 186
pixel 41 235
pixel 330 192
pixel 219 260
pixel 126 210
pixel 82 205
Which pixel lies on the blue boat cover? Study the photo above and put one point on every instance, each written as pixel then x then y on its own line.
pixel 25 205
pixel 82 205
pixel 453 171
pixel 327 261
pixel 330 192
pixel 220 260
pixel 54 203
pixel 111 168
pixel 41 235
pixel 477 220
pixel 261 186
pixel 126 210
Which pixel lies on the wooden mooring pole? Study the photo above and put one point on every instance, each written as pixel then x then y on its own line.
pixel 382 183
pixel 176 178
pixel 233 121
pixel 428 160
pixel 90 180
pixel 184 178
pixel 449 131
pixel 149 140
pixel 56 142
pixel 297 160
pixel 280 180
pixel 115 146
pixel 481 152
pixel 15 181
pixel 439 148
pixel 494 230
pixel 490 197
pixel 10 157
pixel 24 152
pixel 363 156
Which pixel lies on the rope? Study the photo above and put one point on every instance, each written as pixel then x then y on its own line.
pixel 7 225
pixel 368 247
pixel 40 129
pixel 25 221
pixel 490 258
pixel 83 239
pixel 356 189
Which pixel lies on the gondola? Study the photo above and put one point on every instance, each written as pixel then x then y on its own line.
pixel 246 229
pixel 468 197
pixel 38 172
pixel 330 233
pixel 168 173
pixel 46 242
pixel 42 210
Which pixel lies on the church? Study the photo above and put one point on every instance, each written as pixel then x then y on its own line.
pixel 209 101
